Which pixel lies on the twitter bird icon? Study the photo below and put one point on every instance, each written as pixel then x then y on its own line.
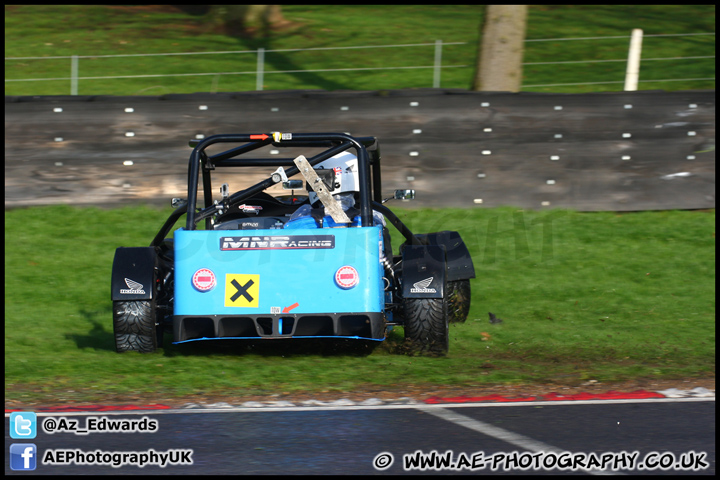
pixel 23 425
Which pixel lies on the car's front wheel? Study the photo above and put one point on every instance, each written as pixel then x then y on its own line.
pixel 134 326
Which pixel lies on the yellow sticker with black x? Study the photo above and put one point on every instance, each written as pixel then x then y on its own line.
pixel 242 290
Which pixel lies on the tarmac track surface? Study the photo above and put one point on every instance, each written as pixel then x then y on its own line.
pixel 349 439
pixel 623 151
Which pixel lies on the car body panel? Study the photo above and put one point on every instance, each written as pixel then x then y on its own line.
pixel 267 271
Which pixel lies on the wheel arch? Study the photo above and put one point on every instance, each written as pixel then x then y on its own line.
pixel 424 271
pixel 459 262
pixel 133 273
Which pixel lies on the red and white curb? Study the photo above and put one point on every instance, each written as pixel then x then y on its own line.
pixel 695 392
pixel 583 396
pixel 698 393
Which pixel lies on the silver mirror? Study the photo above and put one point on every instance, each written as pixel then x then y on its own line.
pixel 404 195
pixel 293 185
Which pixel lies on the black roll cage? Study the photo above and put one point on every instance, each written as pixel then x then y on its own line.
pixel 334 142
pixel 367 152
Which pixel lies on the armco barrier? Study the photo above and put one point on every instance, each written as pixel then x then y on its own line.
pixel 643 150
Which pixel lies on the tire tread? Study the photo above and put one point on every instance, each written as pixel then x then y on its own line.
pixel 134 326
pixel 426 325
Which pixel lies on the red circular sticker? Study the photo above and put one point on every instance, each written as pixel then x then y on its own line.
pixel 204 280
pixel 346 277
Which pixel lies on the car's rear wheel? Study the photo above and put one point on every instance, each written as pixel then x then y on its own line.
pixel 426 325
pixel 134 326
pixel 458 300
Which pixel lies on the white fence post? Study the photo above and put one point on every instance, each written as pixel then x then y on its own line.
pixel 74 75
pixel 633 65
pixel 438 63
pixel 260 68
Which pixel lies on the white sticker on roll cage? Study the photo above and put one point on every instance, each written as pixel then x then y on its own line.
pixel 277 136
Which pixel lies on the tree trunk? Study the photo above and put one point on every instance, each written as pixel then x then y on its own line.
pixel 499 65
pixel 273 15
pixel 245 20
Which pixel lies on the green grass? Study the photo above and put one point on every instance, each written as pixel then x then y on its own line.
pixel 63 30
pixel 583 296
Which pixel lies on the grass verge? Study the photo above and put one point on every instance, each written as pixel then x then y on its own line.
pixel 98 31
pixel 601 296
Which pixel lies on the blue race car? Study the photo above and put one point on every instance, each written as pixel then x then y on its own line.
pixel 289 266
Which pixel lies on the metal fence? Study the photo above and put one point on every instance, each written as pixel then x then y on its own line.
pixel 437 66
pixel 625 60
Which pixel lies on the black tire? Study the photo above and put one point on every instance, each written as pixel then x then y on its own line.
pixel 458 300
pixel 134 326
pixel 426 325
